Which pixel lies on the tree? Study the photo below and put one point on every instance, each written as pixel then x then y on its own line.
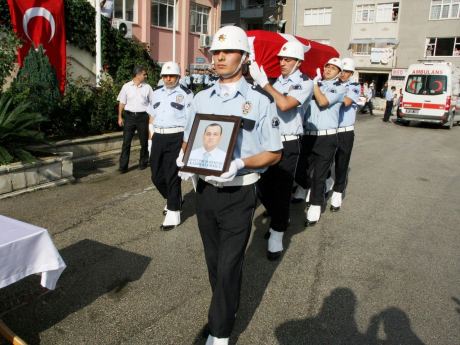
pixel 9 44
pixel 36 83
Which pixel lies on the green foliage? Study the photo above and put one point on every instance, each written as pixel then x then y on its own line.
pixel 18 129
pixel 36 83
pixel 9 44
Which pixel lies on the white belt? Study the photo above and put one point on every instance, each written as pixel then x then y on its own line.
pixel 346 129
pixel 322 132
pixel 242 180
pixel 168 130
pixel 289 137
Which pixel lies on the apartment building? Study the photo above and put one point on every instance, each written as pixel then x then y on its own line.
pixel 254 14
pixel 384 37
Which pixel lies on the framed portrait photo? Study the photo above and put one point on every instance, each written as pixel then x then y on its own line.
pixel 211 143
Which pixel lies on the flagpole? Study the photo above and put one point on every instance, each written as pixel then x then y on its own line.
pixel 98 43
pixel 174 32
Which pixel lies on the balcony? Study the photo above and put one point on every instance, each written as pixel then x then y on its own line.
pixel 252 9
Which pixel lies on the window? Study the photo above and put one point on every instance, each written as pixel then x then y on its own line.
pixel 387 12
pixel 199 16
pixel 445 9
pixel 125 9
pixel 163 13
pixel 426 84
pixel 317 16
pixel 445 46
pixel 228 5
pixel 362 48
pixel 365 13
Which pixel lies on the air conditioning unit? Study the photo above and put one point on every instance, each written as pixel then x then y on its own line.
pixel 125 28
pixel 205 41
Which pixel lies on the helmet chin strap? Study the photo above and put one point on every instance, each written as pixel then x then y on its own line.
pixel 294 68
pixel 230 75
pixel 175 84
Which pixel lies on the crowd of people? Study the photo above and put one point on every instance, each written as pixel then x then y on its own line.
pixel 292 132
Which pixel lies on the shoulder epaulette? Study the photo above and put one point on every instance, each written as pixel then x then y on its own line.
pixel 158 87
pixel 187 90
pixel 354 83
pixel 263 92
pixel 337 83
pixel 304 77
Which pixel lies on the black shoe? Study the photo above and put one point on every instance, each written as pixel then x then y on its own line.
pixel 296 201
pixel 309 223
pixel 267 235
pixel 335 209
pixel 168 227
pixel 123 171
pixel 142 167
pixel 273 256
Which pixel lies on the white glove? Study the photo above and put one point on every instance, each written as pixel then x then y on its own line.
pixel 318 77
pixel 258 74
pixel 228 176
pixel 180 159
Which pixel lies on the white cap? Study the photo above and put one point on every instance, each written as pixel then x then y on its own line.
pixel 229 38
pixel 170 68
pixel 348 64
pixel 292 49
pixel 336 62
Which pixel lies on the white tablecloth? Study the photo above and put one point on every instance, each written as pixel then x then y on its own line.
pixel 27 249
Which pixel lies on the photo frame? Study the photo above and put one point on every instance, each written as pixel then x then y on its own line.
pixel 211 143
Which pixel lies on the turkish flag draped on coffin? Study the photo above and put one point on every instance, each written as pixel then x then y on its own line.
pixel 265 46
pixel 41 22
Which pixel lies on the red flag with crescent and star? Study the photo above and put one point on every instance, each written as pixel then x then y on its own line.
pixel 41 22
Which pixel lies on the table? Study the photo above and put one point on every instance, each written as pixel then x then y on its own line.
pixel 26 249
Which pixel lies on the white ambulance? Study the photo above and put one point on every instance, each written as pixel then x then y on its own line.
pixel 430 94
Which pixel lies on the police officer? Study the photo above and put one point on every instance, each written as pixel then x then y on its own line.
pixel 168 110
pixel 346 133
pixel 134 97
pixel 291 92
pixel 225 204
pixel 320 140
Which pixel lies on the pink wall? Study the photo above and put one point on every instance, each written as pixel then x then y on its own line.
pixel 187 44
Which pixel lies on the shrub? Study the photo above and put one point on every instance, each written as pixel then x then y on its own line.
pixel 18 130
pixel 9 44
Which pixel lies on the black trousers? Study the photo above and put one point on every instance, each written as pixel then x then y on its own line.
pixel 316 156
pixel 275 186
pixel 345 142
pixel 132 123
pixel 224 219
pixel 370 106
pixel 388 111
pixel 165 149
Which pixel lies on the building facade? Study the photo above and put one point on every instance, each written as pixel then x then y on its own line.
pixel 151 22
pixel 383 37
pixel 253 14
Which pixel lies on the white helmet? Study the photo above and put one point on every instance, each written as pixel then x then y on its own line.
pixel 292 49
pixel 334 61
pixel 230 38
pixel 348 64
pixel 170 68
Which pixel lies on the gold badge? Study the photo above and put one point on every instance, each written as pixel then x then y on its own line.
pixel 247 107
pixel 179 98
pixel 221 38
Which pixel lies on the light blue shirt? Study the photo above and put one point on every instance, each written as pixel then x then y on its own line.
pixel 389 96
pixel 328 117
pixel 169 107
pixel 301 88
pixel 259 132
pixel 347 116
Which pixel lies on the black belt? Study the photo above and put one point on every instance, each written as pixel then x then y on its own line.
pixel 135 112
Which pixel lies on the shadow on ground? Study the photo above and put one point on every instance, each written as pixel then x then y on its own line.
pixel 93 269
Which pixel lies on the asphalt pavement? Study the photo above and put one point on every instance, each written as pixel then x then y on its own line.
pixel 383 270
